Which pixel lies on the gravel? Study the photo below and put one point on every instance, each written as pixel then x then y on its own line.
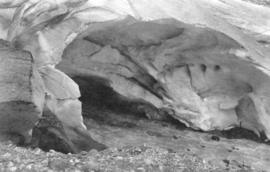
pixel 133 159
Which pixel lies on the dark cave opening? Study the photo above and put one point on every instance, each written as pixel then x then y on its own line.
pixel 99 99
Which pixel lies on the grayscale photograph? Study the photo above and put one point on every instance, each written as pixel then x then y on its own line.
pixel 134 85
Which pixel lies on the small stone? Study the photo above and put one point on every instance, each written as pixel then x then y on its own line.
pixel 215 138
pixel 52 151
pixel 119 158
pixel 148 161
pixel 29 167
pixel 6 155
pixel 161 167
pixel 141 169
pixel 93 152
pixel 38 151
pixel 10 164
pixel 13 168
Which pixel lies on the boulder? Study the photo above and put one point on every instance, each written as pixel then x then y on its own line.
pixel 50 133
pixel 22 91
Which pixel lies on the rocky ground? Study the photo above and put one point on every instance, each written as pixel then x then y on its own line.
pixel 260 2
pixel 137 144
pixel 137 159
pixel 135 150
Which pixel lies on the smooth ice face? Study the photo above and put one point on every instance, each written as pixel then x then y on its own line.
pixel 197 74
